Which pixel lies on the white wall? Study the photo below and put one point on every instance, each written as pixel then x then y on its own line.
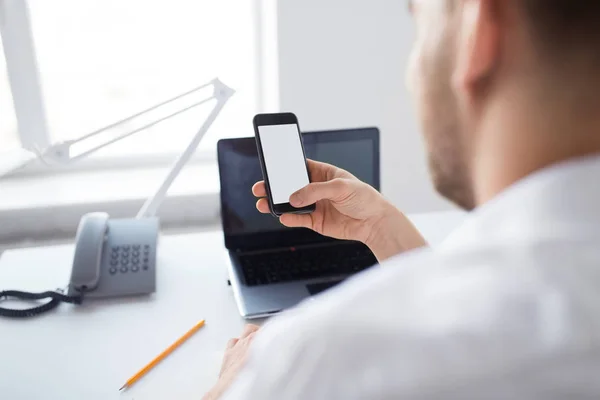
pixel 342 64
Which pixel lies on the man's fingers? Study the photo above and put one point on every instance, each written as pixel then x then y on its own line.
pixel 296 220
pixel 248 329
pixel 259 190
pixel 319 172
pixel 248 339
pixel 331 190
pixel 232 342
pixel 289 220
pixel 262 205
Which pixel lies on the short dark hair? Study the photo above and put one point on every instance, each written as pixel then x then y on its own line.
pixel 568 24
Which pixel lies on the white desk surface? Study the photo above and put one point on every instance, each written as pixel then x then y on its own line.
pixel 88 352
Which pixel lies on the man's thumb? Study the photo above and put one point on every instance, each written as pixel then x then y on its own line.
pixel 317 191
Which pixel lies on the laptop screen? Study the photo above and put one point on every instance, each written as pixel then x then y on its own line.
pixel 356 151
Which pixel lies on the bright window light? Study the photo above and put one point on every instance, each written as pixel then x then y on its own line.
pixel 103 60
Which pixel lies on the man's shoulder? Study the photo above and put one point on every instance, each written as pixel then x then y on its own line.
pixel 427 317
pixel 485 282
pixel 409 292
pixel 492 292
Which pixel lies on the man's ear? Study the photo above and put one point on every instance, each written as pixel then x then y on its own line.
pixel 478 42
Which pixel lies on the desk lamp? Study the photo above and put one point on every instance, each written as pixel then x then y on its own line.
pixel 61 153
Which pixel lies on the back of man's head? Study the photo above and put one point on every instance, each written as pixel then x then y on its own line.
pixel 496 80
pixel 563 26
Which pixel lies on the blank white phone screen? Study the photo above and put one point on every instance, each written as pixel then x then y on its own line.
pixel 284 160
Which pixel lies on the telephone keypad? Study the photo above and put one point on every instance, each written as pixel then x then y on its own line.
pixel 128 258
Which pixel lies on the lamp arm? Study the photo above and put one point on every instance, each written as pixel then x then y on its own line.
pixel 139 114
pixel 222 93
pixel 61 152
pixel 126 135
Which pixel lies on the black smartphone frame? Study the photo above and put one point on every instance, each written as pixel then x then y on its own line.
pixel 279 119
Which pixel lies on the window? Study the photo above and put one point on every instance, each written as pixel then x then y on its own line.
pixel 100 61
pixel 9 138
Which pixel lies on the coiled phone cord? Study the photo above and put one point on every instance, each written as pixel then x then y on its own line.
pixel 56 298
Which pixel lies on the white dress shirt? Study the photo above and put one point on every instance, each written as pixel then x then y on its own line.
pixel 507 308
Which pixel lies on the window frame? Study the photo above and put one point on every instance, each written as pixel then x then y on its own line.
pixel 23 75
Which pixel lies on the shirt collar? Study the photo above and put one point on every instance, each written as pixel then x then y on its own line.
pixel 560 201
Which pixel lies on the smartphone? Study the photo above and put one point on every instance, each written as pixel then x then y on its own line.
pixel 282 160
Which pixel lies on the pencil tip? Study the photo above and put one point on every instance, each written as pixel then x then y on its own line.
pixel 122 387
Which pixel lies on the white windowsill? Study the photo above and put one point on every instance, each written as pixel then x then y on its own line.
pixel 42 207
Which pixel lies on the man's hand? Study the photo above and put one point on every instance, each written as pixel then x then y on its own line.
pixel 348 209
pixel 235 357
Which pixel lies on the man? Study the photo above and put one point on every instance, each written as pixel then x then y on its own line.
pixel 509 306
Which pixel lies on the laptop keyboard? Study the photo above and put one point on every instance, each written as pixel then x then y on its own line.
pixel 305 263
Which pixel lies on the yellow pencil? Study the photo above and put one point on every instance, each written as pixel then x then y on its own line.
pixel 162 356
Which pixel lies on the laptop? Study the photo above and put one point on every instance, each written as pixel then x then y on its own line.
pixel 271 267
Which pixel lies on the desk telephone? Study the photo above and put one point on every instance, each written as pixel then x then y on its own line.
pixel 113 258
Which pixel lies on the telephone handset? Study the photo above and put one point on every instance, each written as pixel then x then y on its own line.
pixel 90 239
pixel 113 258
